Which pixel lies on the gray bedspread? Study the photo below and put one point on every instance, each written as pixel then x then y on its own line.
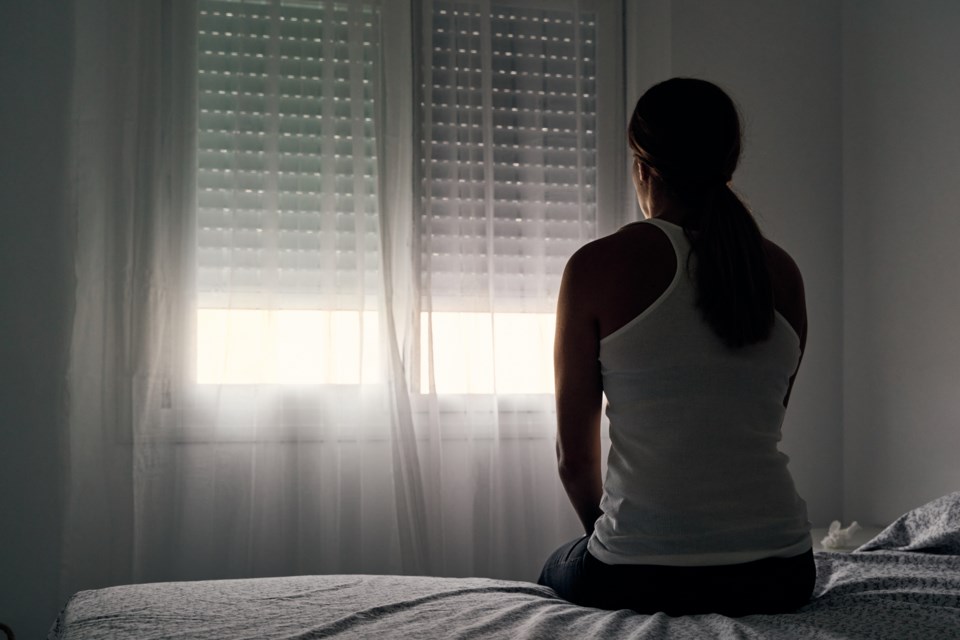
pixel 885 592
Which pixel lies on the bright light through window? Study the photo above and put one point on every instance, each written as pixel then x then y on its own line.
pixel 253 346
pixel 473 353
pixel 488 353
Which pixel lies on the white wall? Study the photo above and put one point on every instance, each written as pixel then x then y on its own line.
pixel 780 60
pixel 901 165
pixel 36 263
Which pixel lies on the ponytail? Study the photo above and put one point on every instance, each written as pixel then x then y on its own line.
pixel 734 288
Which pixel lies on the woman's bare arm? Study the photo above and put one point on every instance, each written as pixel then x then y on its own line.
pixel 579 390
pixel 789 297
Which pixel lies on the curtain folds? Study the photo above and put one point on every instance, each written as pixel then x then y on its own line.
pixel 131 166
pixel 416 461
pixel 295 341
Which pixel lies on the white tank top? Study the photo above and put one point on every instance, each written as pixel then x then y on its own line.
pixel 694 476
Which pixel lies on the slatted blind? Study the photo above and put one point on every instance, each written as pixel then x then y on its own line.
pixel 287 209
pixel 509 160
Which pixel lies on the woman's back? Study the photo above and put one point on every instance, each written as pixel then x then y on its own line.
pixel 694 476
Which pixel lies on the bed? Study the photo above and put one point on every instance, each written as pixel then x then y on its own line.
pixel 905 583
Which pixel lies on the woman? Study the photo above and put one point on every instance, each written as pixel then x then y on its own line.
pixel 693 325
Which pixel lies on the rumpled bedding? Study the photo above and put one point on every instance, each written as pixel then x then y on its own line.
pixel 903 584
pixel 933 528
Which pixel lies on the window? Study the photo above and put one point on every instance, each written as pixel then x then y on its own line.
pixel 508 188
pixel 288 232
pixel 287 238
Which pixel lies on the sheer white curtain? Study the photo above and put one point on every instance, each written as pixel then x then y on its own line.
pixel 315 282
pixel 508 192
pixel 131 177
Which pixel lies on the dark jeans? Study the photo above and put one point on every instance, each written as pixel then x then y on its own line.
pixel 771 585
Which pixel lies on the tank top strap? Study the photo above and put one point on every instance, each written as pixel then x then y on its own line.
pixel 676 235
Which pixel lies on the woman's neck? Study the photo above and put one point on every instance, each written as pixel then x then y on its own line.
pixel 658 203
pixel 671 211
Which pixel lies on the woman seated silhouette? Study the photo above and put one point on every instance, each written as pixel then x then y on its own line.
pixel 693 325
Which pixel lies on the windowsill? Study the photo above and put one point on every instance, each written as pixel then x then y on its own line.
pixel 236 414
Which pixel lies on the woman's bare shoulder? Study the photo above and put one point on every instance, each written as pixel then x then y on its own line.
pixel 616 277
pixel 619 251
pixel 783 265
pixel 788 292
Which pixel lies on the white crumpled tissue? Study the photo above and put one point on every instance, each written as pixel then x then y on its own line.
pixel 838 538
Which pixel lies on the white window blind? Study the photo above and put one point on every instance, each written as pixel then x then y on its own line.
pixel 287 221
pixel 509 151
pixel 287 210
pixel 288 233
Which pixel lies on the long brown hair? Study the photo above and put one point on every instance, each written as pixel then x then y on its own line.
pixel 687 133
